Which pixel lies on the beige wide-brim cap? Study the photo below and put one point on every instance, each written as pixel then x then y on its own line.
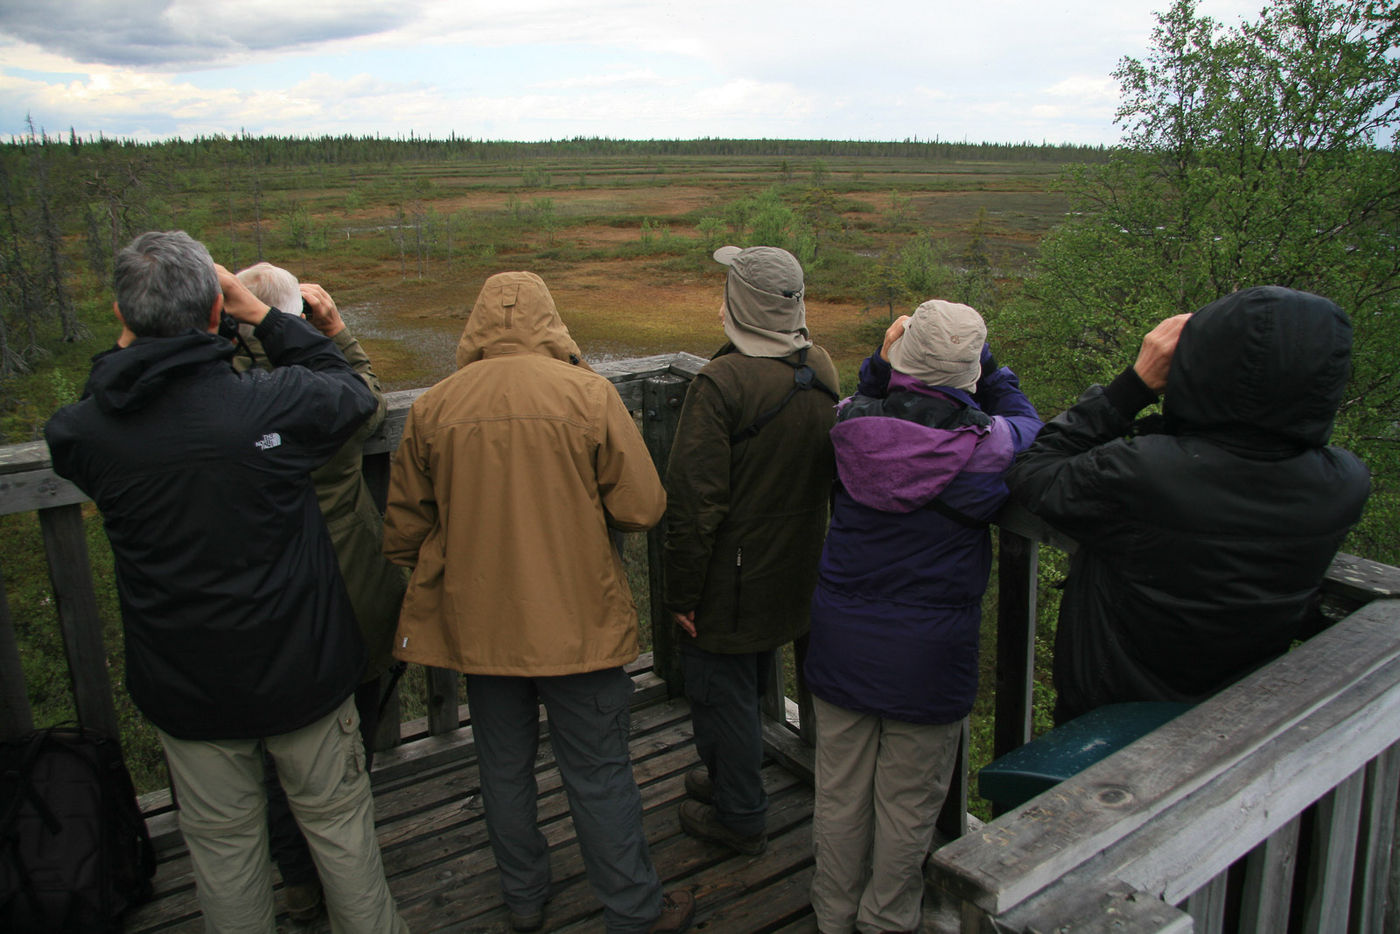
pixel 763 293
pixel 941 345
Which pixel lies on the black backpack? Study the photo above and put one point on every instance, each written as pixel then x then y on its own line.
pixel 74 851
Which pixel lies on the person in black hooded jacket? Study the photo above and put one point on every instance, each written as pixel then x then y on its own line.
pixel 1204 533
pixel 239 632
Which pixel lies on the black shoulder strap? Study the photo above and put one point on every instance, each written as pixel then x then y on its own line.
pixel 803 378
pixel 956 515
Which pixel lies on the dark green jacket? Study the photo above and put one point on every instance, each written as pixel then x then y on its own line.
pixel 745 520
pixel 376 586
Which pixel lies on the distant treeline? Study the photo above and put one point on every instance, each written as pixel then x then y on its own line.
pixel 324 150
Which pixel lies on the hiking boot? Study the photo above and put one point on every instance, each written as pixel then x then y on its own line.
pixel 699 786
pixel 702 821
pixel 677 911
pixel 303 900
pixel 527 920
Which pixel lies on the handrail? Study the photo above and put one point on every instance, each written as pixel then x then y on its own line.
pixel 1107 841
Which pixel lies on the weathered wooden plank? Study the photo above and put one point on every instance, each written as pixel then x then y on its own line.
pixel 388 730
pixel 1206 906
pixel 1332 859
pixel 663 397
pixel 443 713
pixel 1028 525
pixel 1029 848
pixel 1197 838
pixel 70 572
pixel 787 748
pixel 1117 909
pixel 436 815
pixel 21 458
pixel 1018 570
pixel 1268 882
pixel 1376 854
pixel 1361 579
pixel 952 818
pixel 16 717
pixel 1189 841
pixel 39 488
pixel 774 699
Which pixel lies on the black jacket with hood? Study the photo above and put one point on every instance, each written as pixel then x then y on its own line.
pixel 236 619
pixel 1203 535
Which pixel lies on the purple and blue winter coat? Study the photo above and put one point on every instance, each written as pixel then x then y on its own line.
pixel 897 607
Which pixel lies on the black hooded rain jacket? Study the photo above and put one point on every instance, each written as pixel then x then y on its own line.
pixel 1202 543
pixel 236 619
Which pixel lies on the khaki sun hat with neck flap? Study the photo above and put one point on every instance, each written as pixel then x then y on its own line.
pixel 763 296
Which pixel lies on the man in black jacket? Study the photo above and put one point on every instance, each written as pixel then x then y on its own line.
pixel 239 633
pixel 1203 534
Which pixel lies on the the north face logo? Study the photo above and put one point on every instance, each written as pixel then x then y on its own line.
pixel 268 441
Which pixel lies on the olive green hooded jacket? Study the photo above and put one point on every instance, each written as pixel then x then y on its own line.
pixel 746 519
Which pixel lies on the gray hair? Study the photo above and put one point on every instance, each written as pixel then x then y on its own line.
pixel 165 284
pixel 273 285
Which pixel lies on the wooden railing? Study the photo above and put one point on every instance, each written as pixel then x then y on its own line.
pixel 1270 807
pixel 1279 792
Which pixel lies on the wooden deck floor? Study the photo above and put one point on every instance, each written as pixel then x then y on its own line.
pixel 442 873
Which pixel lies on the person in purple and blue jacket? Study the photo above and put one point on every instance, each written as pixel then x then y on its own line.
pixel 921 450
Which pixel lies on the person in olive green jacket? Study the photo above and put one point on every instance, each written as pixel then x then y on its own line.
pixel 375 585
pixel 748 486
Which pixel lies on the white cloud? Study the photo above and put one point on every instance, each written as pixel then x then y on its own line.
pixel 996 70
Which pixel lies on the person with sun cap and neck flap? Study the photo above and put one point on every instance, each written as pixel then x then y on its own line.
pixel 748 485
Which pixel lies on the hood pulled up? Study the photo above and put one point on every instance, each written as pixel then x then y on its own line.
pixel 515 314
pixel 1265 366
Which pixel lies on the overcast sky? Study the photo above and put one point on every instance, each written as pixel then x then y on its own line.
pixel 977 70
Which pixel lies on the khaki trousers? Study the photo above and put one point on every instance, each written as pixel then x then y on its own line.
pixel 223 816
pixel 880 786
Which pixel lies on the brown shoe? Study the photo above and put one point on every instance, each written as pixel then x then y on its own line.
pixel 303 900
pixel 677 911
pixel 527 920
pixel 702 821
pixel 699 786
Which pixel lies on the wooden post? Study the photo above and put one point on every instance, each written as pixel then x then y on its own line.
pixel 662 397
pixel 375 468
pixel 1377 827
pixel 442 700
pixel 775 698
pixel 1017 573
pixel 71 575
pixel 387 731
pixel 807 725
pixel 952 819
pixel 15 714
pixel 1268 882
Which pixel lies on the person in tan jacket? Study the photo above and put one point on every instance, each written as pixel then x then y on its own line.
pixel 510 474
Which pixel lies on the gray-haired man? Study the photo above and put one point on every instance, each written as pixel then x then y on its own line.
pixel 239 634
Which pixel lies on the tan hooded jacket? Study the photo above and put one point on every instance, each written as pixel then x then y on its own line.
pixel 509 475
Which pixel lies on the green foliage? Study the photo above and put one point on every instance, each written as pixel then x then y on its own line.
pixel 713 233
pixel 1262 154
pixel 535 178
pixel 766 219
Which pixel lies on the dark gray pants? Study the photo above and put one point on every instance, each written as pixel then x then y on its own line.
pixel 589 720
pixel 726 697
